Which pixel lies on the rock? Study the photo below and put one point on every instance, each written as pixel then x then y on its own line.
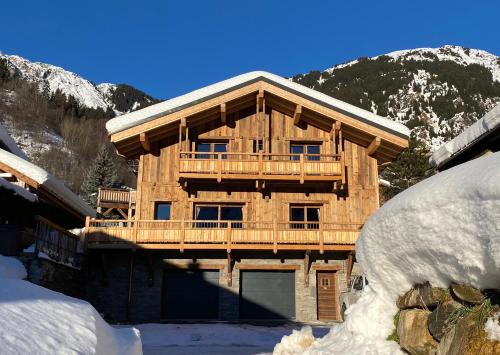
pixel 421 296
pixel 467 338
pixel 438 320
pixel 467 293
pixel 413 333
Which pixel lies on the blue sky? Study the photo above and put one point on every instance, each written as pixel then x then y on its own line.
pixel 168 47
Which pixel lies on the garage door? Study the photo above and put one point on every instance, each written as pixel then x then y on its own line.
pixel 190 294
pixel 267 294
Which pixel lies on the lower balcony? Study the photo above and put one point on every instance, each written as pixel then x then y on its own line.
pixel 222 235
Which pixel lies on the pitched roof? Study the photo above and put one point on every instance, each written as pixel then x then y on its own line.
pixel 150 113
pixel 24 169
pixel 467 138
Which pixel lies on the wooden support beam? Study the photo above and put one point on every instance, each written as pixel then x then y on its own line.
pixel 145 142
pixel 297 115
pixel 260 100
pixel 183 123
pixel 374 145
pixel 350 262
pixel 223 113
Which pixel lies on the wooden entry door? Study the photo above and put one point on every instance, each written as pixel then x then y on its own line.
pixel 327 295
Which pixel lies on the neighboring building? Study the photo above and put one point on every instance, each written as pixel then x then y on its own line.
pixel 250 196
pixel 483 137
pixel 31 197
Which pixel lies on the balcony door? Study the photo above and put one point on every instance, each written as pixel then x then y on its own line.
pixel 218 216
pixel 305 216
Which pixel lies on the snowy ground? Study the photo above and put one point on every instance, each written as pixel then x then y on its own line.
pixel 177 339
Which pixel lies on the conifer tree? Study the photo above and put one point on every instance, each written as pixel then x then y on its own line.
pixel 101 173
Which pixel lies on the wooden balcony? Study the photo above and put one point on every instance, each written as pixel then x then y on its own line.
pixel 120 200
pixel 261 166
pixel 224 235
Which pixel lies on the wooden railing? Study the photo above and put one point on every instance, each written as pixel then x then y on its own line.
pixel 225 165
pixel 196 234
pixel 56 243
pixel 112 195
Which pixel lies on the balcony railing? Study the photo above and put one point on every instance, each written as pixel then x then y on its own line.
pixel 261 166
pixel 196 234
pixel 112 197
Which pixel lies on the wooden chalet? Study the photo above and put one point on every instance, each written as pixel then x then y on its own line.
pixel 36 206
pixel 250 196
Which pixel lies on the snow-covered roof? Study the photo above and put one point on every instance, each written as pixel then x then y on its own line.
pixel 47 181
pixel 11 145
pixel 149 113
pixel 18 190
pixel 467 138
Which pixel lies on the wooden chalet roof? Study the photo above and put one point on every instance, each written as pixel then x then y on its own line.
pixel 163 119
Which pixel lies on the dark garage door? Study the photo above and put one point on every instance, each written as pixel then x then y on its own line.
pixel 267 294
pixel 190 294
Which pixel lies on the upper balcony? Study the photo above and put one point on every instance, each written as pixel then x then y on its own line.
pixel 261 166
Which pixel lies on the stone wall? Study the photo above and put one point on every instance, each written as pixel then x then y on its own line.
pixel 109 276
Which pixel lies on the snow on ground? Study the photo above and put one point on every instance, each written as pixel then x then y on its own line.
pixel 215 338
pixel 492 327
pixel 35 320
pixel 444 229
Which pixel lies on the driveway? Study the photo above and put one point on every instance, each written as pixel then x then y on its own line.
pixel 217 338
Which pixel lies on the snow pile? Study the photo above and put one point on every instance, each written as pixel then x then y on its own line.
pixel 444 229
pixel 46 180
pixel 11 268
pixel 35 320
pixel 489 122
pixel 492 327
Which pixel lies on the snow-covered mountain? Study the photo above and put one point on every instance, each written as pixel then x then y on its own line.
pixel 436 92
pixel 52 78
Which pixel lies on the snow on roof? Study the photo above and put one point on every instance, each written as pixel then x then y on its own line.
pixel 149 113
pixel 18 190
pixel 36 320
pixel 468 137
pixel 49 182
pixel 441 230
pixel 11 145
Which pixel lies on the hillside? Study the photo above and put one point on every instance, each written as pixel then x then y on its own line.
pixel 58 117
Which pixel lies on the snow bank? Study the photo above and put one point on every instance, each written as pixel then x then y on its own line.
pixel 11 268
pixel 35 320
pixel 49 182
pixel 492 327
pixel 444 229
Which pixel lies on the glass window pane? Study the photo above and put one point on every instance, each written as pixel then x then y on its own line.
pixel 162 211
pixel 231 213
pixel 296 149
pixel 207 213
pixel 297 214
pixel 313 214
pixel 313 149
pixel 203 147
pixel 220 148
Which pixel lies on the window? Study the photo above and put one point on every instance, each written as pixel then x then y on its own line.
pixel 258 145
pixel 312 150
pixel 303 213
pixel 211 147
pixel 162 211
pixel 218 213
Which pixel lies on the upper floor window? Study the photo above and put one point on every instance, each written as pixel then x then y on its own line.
pixel 211 147
pixel 219 214
pixel 311 150
pixel 163 210
pixel 307 214
pixel 258 145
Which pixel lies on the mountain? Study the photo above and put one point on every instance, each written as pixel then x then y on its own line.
pixel 119 97
pixel 436 92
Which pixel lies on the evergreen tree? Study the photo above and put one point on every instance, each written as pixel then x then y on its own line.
pixel 411 167
pixel 101 173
